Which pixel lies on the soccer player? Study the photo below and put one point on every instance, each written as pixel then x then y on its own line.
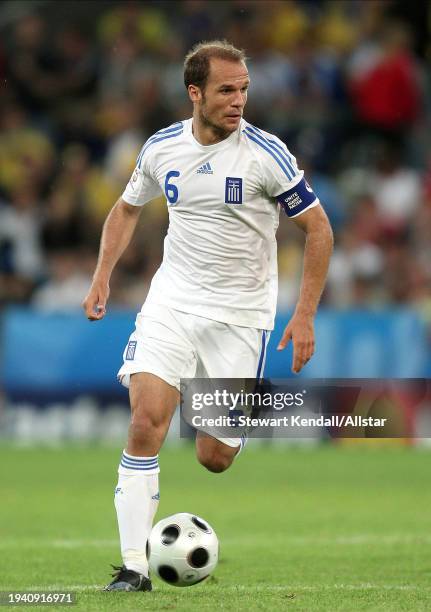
pixel 212 302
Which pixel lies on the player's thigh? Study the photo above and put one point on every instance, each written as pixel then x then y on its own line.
pixel 159 346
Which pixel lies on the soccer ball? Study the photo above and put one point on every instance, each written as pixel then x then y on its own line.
pixel 183 549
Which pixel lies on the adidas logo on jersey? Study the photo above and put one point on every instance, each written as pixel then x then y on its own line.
pixel 205 169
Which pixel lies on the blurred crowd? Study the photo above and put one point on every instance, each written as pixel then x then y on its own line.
pixel 346 84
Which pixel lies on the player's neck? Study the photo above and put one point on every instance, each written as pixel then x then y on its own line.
pixel 207 134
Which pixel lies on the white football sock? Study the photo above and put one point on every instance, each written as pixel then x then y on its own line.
pixel 136 501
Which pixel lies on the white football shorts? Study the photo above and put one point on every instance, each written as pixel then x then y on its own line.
pixel 172 345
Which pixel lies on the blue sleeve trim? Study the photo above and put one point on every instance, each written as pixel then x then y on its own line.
pixel 297 199
pixel 279 157
pixel 270 145
pixel 177 128
pixel 275 145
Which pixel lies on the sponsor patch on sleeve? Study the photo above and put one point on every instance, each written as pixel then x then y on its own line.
pixel 297 199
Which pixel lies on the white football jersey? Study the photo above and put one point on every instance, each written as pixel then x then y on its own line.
pixel 220 252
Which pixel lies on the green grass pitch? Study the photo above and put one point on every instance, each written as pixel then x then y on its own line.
pixel 320 528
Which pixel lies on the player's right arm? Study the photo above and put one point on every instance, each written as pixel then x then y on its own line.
pixel 116 235
pixel 117 232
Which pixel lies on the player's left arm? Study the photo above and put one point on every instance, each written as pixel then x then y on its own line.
pixel 318 249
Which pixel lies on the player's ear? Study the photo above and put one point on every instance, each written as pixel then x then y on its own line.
pixel 195 93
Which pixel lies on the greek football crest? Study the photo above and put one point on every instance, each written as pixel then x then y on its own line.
pixel 131 348
pixel 233 190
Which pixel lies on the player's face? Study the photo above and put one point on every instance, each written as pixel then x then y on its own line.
pixel 225 95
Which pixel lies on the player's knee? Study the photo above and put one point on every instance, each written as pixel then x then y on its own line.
pixel 214 461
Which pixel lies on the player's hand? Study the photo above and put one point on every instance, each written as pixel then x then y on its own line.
pixel 95 302
pixel 300 330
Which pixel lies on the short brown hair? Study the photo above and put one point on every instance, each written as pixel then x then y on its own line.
pixel 197 60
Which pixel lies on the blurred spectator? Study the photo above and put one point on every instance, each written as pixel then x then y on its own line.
pixel 172 83
pixel 95 191
pixel 125 142
pixel 21 256
pixel 355 271
pixel 78 66
pixel 286 25
pixel 366 220
pixel 194 23
pixel 20 233
pixel 69 280
pixel 329 194
pixel 384 81
pixel 29 60
pixel 62 225
pixel 395 188
pixel 26 153
pixel 147 25
pixel 121 64
pixel 420 241
pixel 401 275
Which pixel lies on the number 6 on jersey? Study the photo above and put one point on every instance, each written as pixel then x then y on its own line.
pixel 171 190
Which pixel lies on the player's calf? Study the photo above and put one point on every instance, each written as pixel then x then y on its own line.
pixel 145 437
pixel 213 454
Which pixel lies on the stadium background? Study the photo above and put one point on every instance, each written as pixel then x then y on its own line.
pixel 345 84
pixel 306 526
